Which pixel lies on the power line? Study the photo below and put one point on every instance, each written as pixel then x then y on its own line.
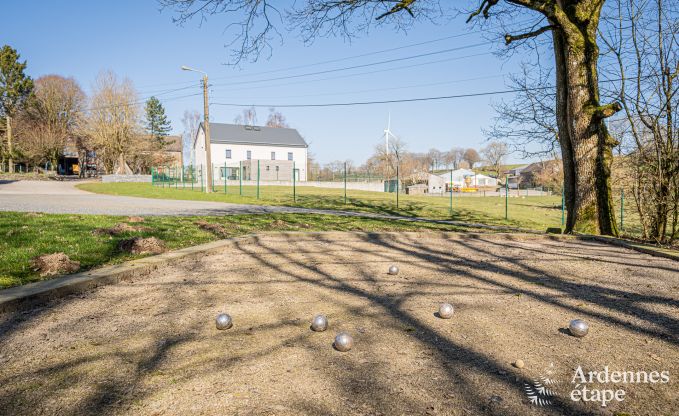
pixel 358 66
pixel 391 88
pixel 456 58
pixel 405 100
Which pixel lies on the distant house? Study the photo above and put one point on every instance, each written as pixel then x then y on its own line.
pixel 468 179
pixel 534 174
pixel 271 153
pixel 514 176
pixel 417 189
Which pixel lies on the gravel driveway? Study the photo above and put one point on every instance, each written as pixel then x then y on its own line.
pixel 150 347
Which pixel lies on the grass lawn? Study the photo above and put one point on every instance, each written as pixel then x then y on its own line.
pixel 536 213
pixel 27 235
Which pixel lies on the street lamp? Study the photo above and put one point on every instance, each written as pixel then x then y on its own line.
pixel 206 127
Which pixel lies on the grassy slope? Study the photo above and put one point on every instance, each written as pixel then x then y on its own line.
pixel 26 235
pixel 528 212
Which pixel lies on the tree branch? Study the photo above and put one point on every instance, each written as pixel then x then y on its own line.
pixel 511 38
pixel 484 7
pixel 402 5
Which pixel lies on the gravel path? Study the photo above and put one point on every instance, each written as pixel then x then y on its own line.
pixel 150 347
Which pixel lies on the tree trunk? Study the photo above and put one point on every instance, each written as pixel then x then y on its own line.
pixel 10 149
pixel 585 143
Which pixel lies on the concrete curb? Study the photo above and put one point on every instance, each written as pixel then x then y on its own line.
pixel 642 248
pixel 33 294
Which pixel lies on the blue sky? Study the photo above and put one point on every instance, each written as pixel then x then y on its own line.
pixel 136 40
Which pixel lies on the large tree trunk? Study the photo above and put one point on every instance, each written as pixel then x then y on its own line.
pixel 585 143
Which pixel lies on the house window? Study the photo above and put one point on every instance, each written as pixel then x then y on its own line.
pixel 277 168
pixel 289 155
pixel 273 155
pixel 228 153
pixel 249 156
pixel 267 168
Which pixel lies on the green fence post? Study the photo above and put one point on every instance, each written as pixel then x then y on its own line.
pixel 193 175
pixel 153 176
pixel 212 171
pixel 183 179
pixel 507 197
pixel 224 175
pixel 257 178
pixel 397 184
pixel 345 183
pixel 622 208
pixel 294 184
pixel 240 176
pixel 202 189
pixel 176 182
pixel 451 192
pixel 563 205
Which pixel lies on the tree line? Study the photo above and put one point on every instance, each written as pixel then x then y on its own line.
pixel 413 166
pixel 109 130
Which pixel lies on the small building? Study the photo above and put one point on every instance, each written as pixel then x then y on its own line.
pixel 436 184
pixel 467 179
pixel 417 189
pixel 240 149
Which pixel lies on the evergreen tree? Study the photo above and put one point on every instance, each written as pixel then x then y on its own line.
pixel 15 87
pixel 157 124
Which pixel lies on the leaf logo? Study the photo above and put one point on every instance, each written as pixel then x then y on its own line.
pixel 540 391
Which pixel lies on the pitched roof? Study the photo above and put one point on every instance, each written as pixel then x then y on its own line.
pixel 238 134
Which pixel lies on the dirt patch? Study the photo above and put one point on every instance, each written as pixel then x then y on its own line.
pixel 216 229
pixel 139 245
pixel 135 219
pixel 150 347
pixel 53 264
pixel 120 228
pixel 279 224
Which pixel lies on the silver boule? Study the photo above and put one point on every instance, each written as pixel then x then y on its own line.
pixel 578 328
pixel 393 269
pixel 446 311
pixel 224 321
pixel 319 323
pixel 343 342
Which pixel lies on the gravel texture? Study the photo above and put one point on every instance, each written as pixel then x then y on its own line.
pixel 150 347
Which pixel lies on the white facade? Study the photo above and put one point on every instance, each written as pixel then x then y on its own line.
pixel 233 154
pixel 475 179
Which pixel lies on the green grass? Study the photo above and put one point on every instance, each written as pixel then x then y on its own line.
pixel 27 235
pixel 536 213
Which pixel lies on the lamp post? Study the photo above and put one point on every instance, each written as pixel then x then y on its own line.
pixel 206 128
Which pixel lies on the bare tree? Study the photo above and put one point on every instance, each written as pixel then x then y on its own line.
pixel 642 39
pixel 51 119
pixel 191 120
pixel 113 121
pixel 276 119
pixel 436 158
pixel 247 118
pixel 454 156
pixel 527 123
pixel 495 154
pixel 472 157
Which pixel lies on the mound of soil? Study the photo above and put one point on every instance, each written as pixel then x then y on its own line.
pixel 55 263
pixel 139 245
pixel 135 219
pixel 279 224
pixel 118 229
pixel 216 229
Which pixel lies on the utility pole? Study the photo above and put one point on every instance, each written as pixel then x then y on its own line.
pixel 206 127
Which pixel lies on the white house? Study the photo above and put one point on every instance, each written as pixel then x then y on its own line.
pixel 271 152
pixel 465 178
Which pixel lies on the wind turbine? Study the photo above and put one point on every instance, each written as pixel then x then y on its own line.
pixel 387 133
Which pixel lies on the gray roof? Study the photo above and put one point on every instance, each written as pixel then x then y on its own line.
pixel 238 134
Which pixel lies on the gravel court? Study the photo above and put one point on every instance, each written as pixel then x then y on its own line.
pixel 150 347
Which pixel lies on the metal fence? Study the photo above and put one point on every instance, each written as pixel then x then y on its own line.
pixel 237 181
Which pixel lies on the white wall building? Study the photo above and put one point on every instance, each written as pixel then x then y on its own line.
pixel 459 179
pixel 271 150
